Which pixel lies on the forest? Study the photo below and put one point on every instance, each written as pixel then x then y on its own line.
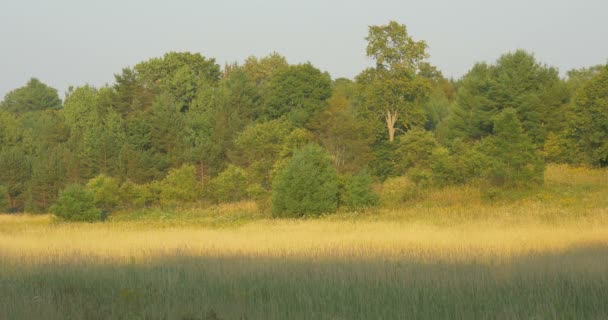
pixel 181 130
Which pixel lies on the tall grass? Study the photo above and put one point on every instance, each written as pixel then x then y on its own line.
pixel 568 285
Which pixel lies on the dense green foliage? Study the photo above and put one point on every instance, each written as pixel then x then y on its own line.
pixel 106 192
pixel 588 127
pixel 308 185
pixel 512 158
pixel 414 151
pixel 75 203
pixel 297 92
pixel 359 194
pixel 516 81
pixel 460 163
pixel 179 128
pixel 229 186
pixel 34 96
pixel 179 186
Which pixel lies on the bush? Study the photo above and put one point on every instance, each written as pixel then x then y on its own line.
pixel 359 194
pixel 229 186
pixel 414 150
pixel 75 203
pixel 137 195
pixel 106 192
pixel 179 186
pixel 460 164
pixel 415 154
pixel 307 186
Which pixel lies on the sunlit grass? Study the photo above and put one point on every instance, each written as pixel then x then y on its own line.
pixel 300 238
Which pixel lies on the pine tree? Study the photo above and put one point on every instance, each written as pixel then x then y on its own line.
pixel 512 157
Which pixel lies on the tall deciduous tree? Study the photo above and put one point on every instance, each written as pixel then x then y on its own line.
pixel 394 90
pixel 392 47
pixel 261 70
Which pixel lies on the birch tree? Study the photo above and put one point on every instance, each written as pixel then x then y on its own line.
pixel 394 90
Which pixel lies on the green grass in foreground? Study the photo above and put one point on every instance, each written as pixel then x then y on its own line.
pixel 567 285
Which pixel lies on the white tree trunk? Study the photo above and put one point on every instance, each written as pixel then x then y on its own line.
pixel 391 119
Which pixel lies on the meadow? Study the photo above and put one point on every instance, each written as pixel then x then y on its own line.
pixel 424 254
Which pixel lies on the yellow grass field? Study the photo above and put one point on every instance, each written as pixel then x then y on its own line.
pixel 37 239
pixel 445 254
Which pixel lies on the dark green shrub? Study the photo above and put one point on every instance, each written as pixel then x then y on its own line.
pixel 75 203
pixel 512 158
pixel 307 186
pixel 359 194
pixel 383 162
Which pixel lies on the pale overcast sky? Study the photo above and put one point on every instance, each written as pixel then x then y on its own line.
pixel 73 42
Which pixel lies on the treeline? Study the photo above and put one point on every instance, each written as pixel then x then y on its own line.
pixel 180 129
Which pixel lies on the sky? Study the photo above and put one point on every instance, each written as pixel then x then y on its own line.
pixel 75 42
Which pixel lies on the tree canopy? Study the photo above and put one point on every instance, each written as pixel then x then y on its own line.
pixel 179 129
pixel 34 96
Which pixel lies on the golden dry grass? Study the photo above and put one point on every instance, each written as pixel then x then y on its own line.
pixel 452 223
pixel 40 239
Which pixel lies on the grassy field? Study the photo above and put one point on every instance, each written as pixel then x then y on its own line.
pixel 430 254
